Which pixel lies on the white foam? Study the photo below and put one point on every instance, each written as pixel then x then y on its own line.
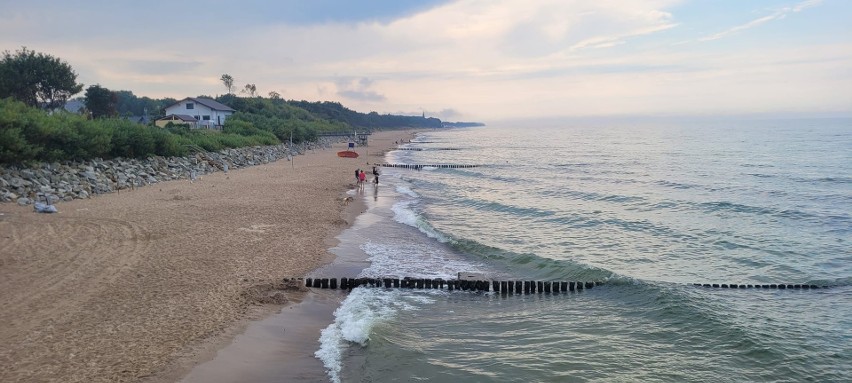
pixel 404 189
pixel 353 322
pixel 405 215
pixel 413 260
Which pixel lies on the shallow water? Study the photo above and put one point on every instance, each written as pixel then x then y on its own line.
pixel 648 208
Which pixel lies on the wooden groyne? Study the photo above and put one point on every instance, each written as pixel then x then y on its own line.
pixel 421 166
pixel 781 286
pixel 480 283
pixel 426 149
pixel 504 287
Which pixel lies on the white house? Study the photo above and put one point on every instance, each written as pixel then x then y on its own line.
pixel 209 113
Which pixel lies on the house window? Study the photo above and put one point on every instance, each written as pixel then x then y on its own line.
pixel 197 117
pixel 206 118
pixel 190 105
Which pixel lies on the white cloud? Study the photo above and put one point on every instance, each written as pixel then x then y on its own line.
pixel 474 59
pixel 776 15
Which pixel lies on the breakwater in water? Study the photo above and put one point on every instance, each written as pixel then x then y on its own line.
pixel 54 182
pixel 436 166
pixel 510 286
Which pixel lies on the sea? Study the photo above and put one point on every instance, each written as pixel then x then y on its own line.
pixel 649 209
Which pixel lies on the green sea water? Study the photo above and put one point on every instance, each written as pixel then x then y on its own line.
pixel 649 208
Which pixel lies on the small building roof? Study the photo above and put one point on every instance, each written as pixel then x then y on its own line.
pixel 212 104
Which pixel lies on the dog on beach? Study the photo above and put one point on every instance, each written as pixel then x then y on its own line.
pixel 347 200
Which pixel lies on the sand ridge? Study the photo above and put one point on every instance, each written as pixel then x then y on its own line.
pixel 117 287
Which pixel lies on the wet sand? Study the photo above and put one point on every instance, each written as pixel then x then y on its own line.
pixel 144 285
pixel 279 348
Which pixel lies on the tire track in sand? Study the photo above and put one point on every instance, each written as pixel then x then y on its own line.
pixel 59 266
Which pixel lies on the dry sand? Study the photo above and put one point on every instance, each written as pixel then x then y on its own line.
pixel 138 286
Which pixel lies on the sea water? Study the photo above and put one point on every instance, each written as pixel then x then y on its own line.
pixel 649 208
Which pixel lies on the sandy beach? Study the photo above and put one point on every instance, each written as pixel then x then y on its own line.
pixel 142 285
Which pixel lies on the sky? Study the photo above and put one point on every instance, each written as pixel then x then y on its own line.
pixel 465 60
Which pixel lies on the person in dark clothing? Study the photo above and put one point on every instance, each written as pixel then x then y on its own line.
pixel 376 175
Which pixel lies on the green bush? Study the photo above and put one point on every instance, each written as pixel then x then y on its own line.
pixel 130 139
pixel 168 144
pixel 30 134
pixel 14 146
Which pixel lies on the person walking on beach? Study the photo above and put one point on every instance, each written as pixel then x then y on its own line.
pixel 361 178
pixel 357 173
pixel 375 175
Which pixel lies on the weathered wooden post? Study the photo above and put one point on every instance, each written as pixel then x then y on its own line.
pixel 309 282
pixel 333 283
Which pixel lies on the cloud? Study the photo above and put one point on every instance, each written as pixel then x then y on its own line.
pixel 445 114
pixel 328 11
pixel 464 59
pixel 776 15
pixel 358 89
pixel 159 66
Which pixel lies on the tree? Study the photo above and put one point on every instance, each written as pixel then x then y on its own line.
pixel 274 95
pixel 101 101
pixel 250 89
pixel 37 79
pixel 229 82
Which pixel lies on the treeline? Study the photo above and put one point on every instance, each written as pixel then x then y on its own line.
pixel 275 116
pixel 128 104
pixel 34 87
pixel 461 124
pixel 29 134
pixel 337 112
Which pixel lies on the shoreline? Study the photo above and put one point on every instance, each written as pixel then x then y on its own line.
pixel 279 344
pixel 144 285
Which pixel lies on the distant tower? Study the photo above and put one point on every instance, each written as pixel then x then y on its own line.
pixel 424 114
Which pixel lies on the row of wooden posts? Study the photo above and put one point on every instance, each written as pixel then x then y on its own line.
pixel 506 287
pixel 419 166
pixel 429 149
pixel 763 286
